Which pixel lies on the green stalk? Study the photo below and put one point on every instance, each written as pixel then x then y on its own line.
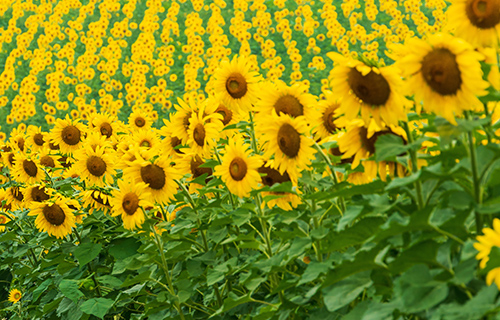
pixel 475 176
pixel 414 167
pixel 164 266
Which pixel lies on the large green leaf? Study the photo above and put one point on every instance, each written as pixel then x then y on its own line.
pixel 97 306
pixel 70 289
pixel 87 252
pixel 343 292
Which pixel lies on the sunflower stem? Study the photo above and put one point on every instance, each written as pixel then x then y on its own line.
pixel 164 266
pixel 225 186
pixel 331 173
pixel 414 167
pixel 475 176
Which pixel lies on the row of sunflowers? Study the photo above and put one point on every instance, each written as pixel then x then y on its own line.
pixel 366 194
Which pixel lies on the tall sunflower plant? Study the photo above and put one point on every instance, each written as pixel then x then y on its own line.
pixel 257 198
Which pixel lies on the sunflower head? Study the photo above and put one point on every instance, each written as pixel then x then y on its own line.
pixel 15 295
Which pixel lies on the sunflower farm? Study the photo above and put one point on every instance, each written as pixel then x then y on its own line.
pixel 249 159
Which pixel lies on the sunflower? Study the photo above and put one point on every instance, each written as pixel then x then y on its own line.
pixel 284 200
pixel 282 99
pixel 368 174
pixel 106 125
pixel 203 132
pixel 3 221
pixel 179 120
pixel 14 198
pixel 130 202
pixel 37 193
pixel 324 125
pixel 229 116
pixel 237 84
pixel 158 175
pixel 490 239
pixel 15 295
pixel 444 73
pixel 67 134
pixel 368 91
pixel 238 169
pixel 476 21
pixel 18 139
pixel 95 166
pixel 53 216
pixel 359 141
pixel 139 120
pixel 36 138
pixel 147 139
pixel 190 164
pixel 96 200
pixel 285 139
pixel 9 156
pixel 170 143
pixel 27 169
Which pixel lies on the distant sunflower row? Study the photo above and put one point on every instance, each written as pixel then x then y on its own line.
pixel 251 134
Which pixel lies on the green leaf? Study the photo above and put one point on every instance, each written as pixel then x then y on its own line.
pixel 401 182
pixel 343 292
pixel 87 252
pixel 357 234
pixel 123 248
pixel 314 270
pixel 40 289
pixel 97 306
pixel 422 252
pixel 70 290
pixel 388 146
pixel 233 301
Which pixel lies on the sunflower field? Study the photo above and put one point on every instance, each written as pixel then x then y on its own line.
pixel 301 159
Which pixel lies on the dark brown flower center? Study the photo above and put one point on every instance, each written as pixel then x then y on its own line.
pixel 47 161
pixel 96 166
pixel 130 203
pixel 145 143
pixel 185 120
pixel 199 134
pixel 272 176
pixel 226 113
pixel 289 140
pixel 174 142
pixel 483 14
pixel 290 105
pixel 336 152
pixel 20 144
pixel 54 214
pixel 196 170
pixel 64 162
pixel 53 146
pixel 99 197
pixel 440 71
pixel 71 135
pixel 140 122
pixel 38 139
pixel 154 176
pixel 38 194
pixel 329 118
pixel 30 168
pixel 11 158
pixel 236 85
pixel 238 169
pixel 16 193
pixel 372 88
pixel 106 129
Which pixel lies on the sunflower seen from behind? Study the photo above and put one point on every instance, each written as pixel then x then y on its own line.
pixel 130 202
pixel 238 168
pixel 237 84
pixel 367 91
pixel 53 216
pixel 444 74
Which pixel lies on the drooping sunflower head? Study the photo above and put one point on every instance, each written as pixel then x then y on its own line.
pixel 37 193
pixel 95 200
pixel 236 83
pixel 476 21
pixel 3 221
pixel 284 200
